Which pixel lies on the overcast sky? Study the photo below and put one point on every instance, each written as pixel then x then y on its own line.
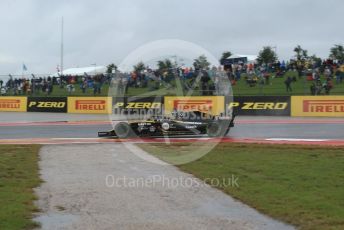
pixel 102 32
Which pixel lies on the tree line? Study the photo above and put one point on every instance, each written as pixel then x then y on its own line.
pixel 265 56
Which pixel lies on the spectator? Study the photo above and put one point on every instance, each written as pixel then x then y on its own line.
pixel 70 89
pixel 287 83
pixel 338 75
pixel 267 78
pixel 3 91
pixel 97 85
pixel 316 75
pixel 83 85
pixel 217 82
pixel 327 72
pixel 316 88
pixel 205 83
pixel 328 85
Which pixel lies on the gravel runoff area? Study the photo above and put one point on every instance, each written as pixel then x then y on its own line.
pixel 85 188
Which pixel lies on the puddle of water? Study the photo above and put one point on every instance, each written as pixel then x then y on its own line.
pixel 54 220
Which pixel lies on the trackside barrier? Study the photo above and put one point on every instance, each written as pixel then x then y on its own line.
pixel 137 105
pixel 96 105
pixel 260 105
pixel 47 104
pixel 213 105
pixel 13 104
pixel 317 106
pixel 305 106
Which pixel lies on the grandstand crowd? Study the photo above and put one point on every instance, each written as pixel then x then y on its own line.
pixel 323 75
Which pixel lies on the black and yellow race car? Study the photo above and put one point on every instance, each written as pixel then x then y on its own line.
pixel 180 123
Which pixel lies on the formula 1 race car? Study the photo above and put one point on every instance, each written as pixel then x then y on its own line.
pixel 181 123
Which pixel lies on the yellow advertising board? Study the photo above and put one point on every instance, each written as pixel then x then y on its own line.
pixel 90 105
pixel 207 104
pixel 13 104
pixel 317 106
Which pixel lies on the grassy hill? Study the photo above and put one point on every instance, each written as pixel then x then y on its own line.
pixel 276 87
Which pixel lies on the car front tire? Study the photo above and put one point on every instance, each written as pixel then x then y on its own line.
pixel 123 130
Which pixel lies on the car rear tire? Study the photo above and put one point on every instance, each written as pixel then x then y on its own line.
pixel 215 130
pixel 123 130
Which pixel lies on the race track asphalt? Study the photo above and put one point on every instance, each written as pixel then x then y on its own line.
pixel 40 125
